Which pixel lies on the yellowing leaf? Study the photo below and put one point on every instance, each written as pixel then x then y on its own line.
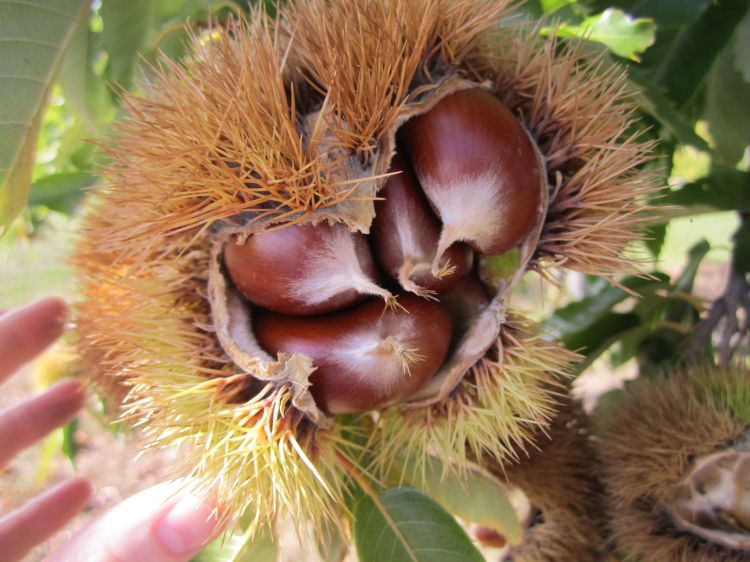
pixel 624 35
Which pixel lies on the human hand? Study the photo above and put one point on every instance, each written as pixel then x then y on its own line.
pixel 160 524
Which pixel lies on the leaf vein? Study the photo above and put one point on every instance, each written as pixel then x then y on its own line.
pixel 37 6
pixel 19 77
pixel 31 41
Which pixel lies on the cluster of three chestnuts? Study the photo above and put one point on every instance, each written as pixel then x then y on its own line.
pixel 465 178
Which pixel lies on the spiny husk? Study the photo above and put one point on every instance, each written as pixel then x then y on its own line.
pixel 212 140
pixel 274 123
pixel 494 412
pixel 713 500
pixel 559 537
pixel 647 446
pixel 147 336
pixel 368 56
pixel 260 455
pixel 140 317
pixel 580 113
pixel 447 38
pixel 559 478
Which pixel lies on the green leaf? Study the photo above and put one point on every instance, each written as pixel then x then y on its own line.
pixel 653 100
pixel 654 342
pixel 660 349
pixel 727 109
pixel 741 252
pixel 408 526
pixel 627 347
pixel 60 192
pixel 742 48
pixel 69 446
pixel 477 497
pixel 679 310
pixel 669 14
pixel 85 91
pixel 695 256
pixel 725 189
pixel 655 236
pixel 502 267
pixel 600 336
pixel 84 157
pixel 168 9
pixel 691 55
pixel 241 548
pixel 650 310
pixel 33 39
pixel 624 35
pixel 173 36
pixel 172 40
pixel 551 6
pixel 49 448
pixel 579 316
pixel 127 24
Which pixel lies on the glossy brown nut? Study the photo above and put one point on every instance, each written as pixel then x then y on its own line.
pixel 489 537
pixel 478 168
pixel 366 358
pixel 303 270
pixel 465 303
pixel 405 236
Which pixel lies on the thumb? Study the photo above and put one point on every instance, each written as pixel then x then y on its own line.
pixel 163 523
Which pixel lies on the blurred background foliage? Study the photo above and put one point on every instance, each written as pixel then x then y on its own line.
pixel 67 62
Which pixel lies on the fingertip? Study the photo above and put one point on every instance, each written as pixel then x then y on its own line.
pixel 41 517
pixel 74 391
pixel 53 312
pixel 75 493
pixel 54 304
pixel 58 311
pixel 63 400
pixel 82 487
pixel 27 331
pixel 164 523
pixel 188 525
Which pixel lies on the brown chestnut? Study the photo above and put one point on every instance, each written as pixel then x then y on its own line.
pixel 489 537
pixel 365 358
pixel 479 170
pixel 304 270
pixel 405 236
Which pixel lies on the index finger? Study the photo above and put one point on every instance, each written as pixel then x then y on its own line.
pixel 27 331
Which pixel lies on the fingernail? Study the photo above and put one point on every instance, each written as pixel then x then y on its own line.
pixel 55 311
pixel 187 526
pixel 61 316
pixel 75 392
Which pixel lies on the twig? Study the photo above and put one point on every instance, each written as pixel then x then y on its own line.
pixel 736 298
